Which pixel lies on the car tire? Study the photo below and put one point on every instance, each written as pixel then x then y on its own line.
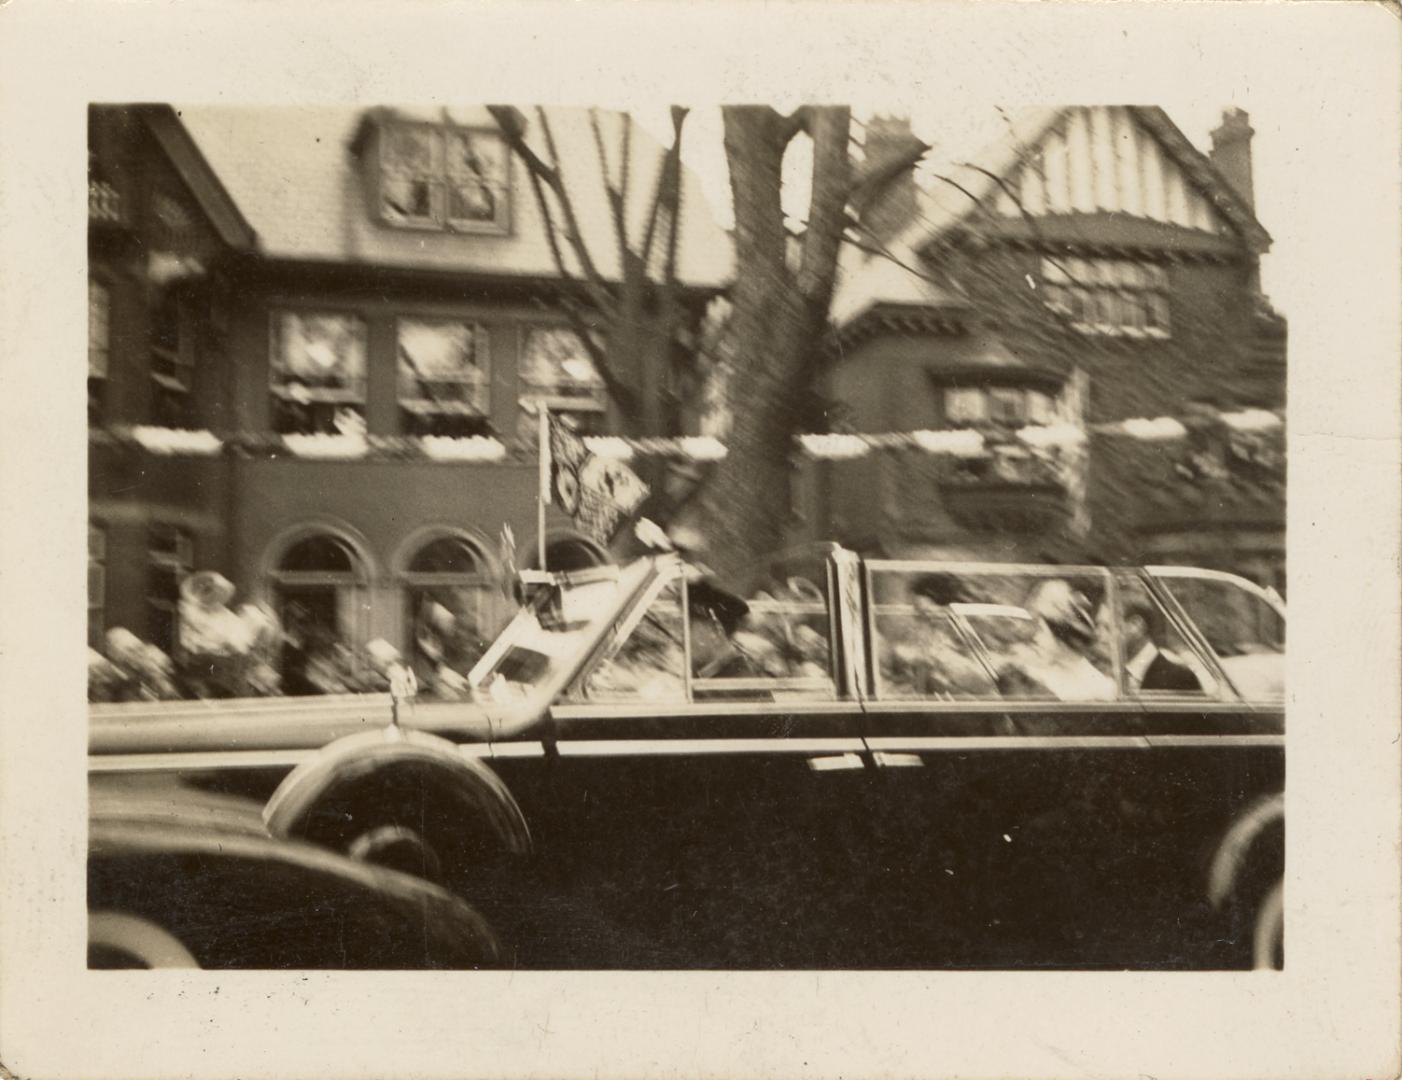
pixel 118 940
pixel 1268 936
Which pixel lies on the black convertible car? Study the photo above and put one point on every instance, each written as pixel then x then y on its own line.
pixel 919 765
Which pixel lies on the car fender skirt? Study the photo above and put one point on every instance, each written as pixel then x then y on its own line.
pixel 403 778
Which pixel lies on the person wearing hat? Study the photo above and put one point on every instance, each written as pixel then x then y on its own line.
pixel 932 661
pixel 714 615
pixel 1055 662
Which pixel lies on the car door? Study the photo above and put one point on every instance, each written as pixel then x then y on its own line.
pixel 1033 812
pixel 698 823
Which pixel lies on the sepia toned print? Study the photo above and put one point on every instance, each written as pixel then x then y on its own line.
pixel 502 547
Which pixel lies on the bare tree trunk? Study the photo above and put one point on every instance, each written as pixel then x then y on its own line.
pixel 778 319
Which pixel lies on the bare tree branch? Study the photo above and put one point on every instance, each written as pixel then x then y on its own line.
pixel 573 233
pixel 614 196
pixel 664 195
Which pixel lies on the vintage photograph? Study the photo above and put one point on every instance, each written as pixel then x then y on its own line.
pixel 736 538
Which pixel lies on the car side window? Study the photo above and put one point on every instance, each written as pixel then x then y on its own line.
pixel 957 632
pixel 922 651
pixel 648 664
pixel 1241 626
pixel 1155 659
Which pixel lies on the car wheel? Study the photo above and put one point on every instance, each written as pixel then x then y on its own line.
pixel 117 940
pixel 398 848
pixel 1268 938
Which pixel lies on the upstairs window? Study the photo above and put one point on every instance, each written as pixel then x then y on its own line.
pixel 557 371
pixel 317 368
pixel 967 406
pixel 99 348
pixel 1108 296
pixel 440 177
pixel 444 377
pixel 172 366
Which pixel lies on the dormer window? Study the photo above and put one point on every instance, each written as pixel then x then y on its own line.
pixel 437 176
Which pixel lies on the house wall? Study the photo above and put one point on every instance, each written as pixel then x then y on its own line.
pixel 1217 352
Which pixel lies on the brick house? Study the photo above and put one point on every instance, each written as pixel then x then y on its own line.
pixel 1089 267
pixel 317 341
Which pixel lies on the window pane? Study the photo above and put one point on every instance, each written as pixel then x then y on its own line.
pixel 555 357
pixel 1005 405
pixel 409 150
pixel 786 632
pixel 1054 271
pixel 99 326
pixel 477 155
pixel 1157 312
pixel 408 198
pixel 919 648
pixel 648 665
pixel 1155 657
pixel 441 359
pixel 472 200
pixel 449 636
pixel 319 351
pixel 965 405
pixel 1040 407
pixel 319 553
pixel 448 555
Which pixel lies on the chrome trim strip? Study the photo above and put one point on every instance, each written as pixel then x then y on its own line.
pixel 1064 742
pixel 1216 740
pixel 795 706
pixel 513 749
pixel 1007 742
pixel 178 762
pixel 677 747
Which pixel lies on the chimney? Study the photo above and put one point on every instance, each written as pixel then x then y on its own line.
pixel 890 208
pixel 1231 153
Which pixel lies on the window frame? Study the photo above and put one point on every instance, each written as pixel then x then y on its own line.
pixel 409 581
pixel 171 367
pixel 873 567
pixel 480 379
pixel 357 396
pixel 596 402
pixel 440 179
pixel 182 562
pixel 1111 296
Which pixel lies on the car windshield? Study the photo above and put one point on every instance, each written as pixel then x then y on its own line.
pixel 550 633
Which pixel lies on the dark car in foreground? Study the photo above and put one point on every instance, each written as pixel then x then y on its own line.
pixel 181 878
pixel 919 765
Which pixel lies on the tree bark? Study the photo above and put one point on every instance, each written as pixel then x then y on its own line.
pixel 777 325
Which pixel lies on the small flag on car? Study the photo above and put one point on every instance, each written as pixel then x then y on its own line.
pixel 597 492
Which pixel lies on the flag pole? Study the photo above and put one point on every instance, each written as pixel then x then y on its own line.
pixel 543 492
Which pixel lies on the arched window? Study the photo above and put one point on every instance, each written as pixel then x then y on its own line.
pixel 319 590
pixel 449 608
pixel 567 553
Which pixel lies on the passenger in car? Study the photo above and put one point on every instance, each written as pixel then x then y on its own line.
pixel 932 661
pixel 1147 665
pixel 715 616
pixel 1055 663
